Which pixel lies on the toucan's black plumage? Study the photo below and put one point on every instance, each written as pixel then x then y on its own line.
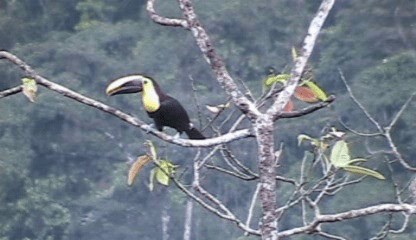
pixel 164 109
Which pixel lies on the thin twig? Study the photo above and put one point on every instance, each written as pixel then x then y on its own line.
pixel 352 96
pixel 400 112
pixel 357 132
pixel 10 91
pixel 396 152
pixel 305 111
pixel 231 173
pixel 252 205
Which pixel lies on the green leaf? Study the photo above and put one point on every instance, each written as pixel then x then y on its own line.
pixel 164 171
pixel 340 154
pixel 281 78
pixel 30 88
pixel 319 93
pixel 356 160
pixel 161 177
pixel 364 171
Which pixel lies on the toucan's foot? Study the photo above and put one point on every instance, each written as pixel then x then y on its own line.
pixel 152 125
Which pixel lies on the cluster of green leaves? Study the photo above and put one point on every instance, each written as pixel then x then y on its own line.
pixel 340 154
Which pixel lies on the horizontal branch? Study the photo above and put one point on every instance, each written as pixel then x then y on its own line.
pixel 307 110
pixel 381 208
pixel 238 134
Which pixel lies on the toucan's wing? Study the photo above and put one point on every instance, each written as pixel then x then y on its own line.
pixel 172 114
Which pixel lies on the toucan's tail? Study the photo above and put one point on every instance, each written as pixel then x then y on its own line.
pixel 194 133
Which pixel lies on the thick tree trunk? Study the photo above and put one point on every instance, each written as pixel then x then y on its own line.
pixel 267 167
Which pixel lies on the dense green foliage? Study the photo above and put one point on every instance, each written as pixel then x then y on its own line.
pixel 63 171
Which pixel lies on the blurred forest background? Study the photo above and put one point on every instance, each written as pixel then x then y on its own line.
pixel 63 166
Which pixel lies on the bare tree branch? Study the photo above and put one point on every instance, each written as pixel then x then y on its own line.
pixel 357 132
pixel 404 225
pixel 396 152
pixel 400 112
pixel 300 62
pixel 386 131
pixel 381 208
pixel 305 111
pixel 173 22
pixel 252 205
pixel 367 114
pixel 231 173
pixel 118 113
pixel 10 91
pixel 387 135
pixel 329 236
pixel 216 62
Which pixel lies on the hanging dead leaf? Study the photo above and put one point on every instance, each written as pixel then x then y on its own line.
pixel 136 167
pixel 305 94
pixel 289 106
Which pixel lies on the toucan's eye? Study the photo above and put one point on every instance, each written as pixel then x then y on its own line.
pixel 145 81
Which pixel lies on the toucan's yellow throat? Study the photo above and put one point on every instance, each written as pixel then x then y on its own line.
pixel 150 97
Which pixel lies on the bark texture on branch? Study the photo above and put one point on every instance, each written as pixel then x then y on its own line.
pixel 267 167
pixel 216 62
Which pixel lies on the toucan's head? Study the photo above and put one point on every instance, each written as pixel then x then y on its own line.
pixel 129 84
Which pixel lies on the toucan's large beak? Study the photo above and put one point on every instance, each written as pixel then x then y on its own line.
pixel 125 85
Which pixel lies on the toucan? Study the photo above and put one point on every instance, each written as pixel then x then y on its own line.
pixel 164 109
